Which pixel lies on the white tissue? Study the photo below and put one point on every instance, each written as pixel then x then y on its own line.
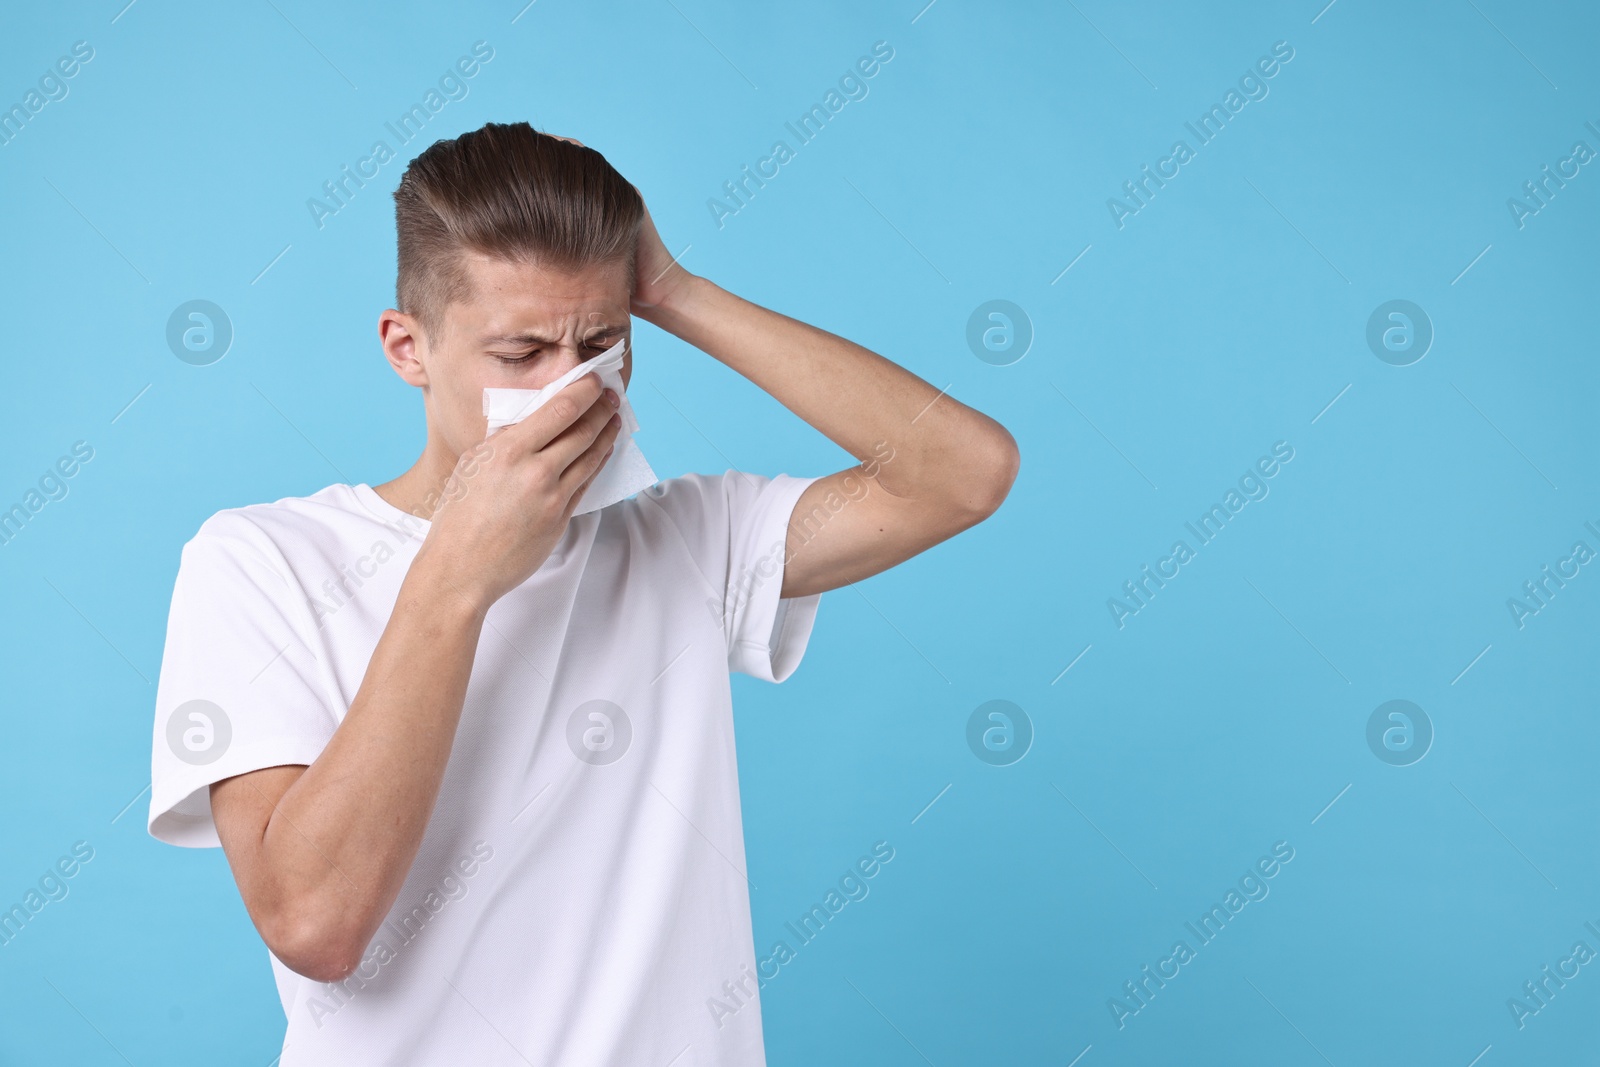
pixel 627 471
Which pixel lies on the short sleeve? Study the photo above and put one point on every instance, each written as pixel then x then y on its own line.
pixel 736 525
pixel 240 685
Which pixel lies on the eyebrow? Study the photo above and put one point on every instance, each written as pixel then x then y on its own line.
pixel 533 337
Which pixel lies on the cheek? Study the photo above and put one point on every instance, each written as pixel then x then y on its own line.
pixel 458 411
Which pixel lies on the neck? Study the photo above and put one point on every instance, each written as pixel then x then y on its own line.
pixel 419 490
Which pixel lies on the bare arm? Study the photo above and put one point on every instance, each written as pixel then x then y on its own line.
pixel 320 852
pixel 931 466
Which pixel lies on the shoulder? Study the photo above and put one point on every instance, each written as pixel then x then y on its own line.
pixel 724 521
pixel 696 492
pixel 708 507
pixel 271 532
pixel 684 489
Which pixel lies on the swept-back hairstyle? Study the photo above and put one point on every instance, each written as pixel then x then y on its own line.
pixel 509 191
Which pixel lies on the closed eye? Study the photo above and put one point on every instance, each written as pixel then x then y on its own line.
pixel 591 348
pixel 513 359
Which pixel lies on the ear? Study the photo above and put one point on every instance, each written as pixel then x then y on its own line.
pixel 404 346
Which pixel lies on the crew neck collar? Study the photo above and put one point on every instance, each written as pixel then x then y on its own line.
pixel 385 511
pixel 393 516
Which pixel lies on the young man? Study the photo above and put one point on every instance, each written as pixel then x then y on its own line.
pixel 469 751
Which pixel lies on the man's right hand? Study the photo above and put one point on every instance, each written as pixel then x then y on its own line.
pixel 503 514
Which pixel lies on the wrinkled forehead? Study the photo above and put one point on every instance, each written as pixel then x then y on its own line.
pixel 534 302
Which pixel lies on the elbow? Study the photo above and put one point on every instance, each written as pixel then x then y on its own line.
pixel 322 949
pixel 992 484
pixel 327 960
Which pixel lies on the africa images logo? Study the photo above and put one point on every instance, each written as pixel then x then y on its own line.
pixel 199 732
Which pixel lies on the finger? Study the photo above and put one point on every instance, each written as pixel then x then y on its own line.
pixel 583 486
pixel 543 430
pixel 577 494
pixel 586 467
pixel 569 445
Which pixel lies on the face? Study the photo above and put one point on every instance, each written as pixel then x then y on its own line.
pixel 520 327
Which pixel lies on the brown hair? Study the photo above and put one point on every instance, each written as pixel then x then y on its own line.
pixel 510 191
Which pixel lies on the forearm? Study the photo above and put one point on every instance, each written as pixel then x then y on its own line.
pixel 342 838
pixel 853 396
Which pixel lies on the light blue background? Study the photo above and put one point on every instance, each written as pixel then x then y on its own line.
pixel 1225 316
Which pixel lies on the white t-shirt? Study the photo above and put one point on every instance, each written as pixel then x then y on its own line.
pixel 579 896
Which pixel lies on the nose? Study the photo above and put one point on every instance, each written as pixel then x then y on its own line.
pixel 558 365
